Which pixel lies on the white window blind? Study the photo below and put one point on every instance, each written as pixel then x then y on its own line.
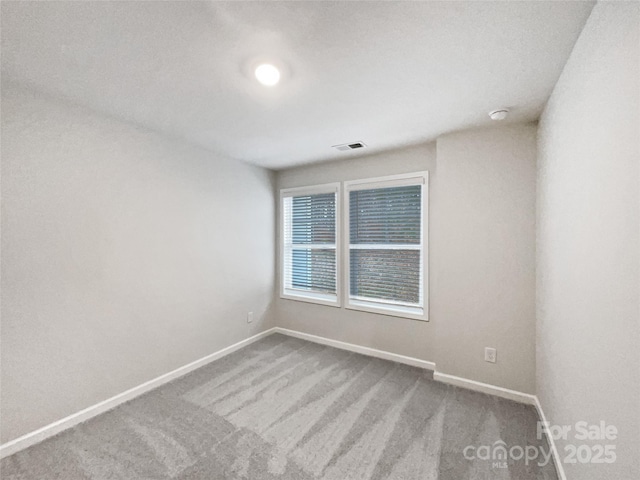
pixel 386 254
pixel 309 246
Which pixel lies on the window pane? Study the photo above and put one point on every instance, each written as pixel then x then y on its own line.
pixel 309 237
pixel 314 219
pixel 386 274
pixel 314 269
pixel 385 215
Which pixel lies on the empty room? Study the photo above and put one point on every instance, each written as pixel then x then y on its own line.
pixel 320 240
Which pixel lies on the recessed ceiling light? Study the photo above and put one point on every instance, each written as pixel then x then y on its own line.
pixel 267 74
pixel 499 114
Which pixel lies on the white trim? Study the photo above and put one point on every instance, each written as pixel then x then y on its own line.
pixel 552 444
pixel 310 190
pixel 404 179
pixel 419 312
pixel 328 300
pixel 48 431
pixel 286 293
pixel 514 395
pixel 370 352
pixel 412 313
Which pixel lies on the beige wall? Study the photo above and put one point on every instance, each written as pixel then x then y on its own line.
pixel 588 332
pixel 482 220
pixel 483 255
pixel 394 334
pixel 125 255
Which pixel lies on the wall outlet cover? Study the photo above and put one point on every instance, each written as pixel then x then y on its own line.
pixel 490 355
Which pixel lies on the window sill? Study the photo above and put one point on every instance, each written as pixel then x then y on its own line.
pixel 413 313
pixel 319 298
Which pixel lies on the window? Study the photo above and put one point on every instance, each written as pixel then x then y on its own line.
pixel 309 255
pixel 386 266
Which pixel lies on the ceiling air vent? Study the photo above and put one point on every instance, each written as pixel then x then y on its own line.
pixel 349 146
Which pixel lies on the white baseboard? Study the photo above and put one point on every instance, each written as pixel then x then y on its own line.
pixel 485 388
pixel 371 352
pixel 514 395
pixel 501 392
pixel 54 428
pixel 552 444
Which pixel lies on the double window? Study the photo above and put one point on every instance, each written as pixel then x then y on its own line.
pixel 384 244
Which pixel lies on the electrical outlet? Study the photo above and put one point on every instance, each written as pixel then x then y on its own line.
pixel 490 355
pixel 249 317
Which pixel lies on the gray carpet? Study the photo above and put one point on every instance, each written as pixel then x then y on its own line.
pixel 284 408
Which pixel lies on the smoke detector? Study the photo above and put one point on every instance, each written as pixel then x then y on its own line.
pixel 349 146
pixel 498 115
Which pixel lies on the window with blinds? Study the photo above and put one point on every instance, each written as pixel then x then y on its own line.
pixel 386 257
pixel 374 261
pixel 309 255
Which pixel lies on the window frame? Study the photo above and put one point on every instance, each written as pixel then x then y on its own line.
pixel 311 297
pixel 381 306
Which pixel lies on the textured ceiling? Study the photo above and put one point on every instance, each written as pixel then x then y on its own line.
pixel 385 73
